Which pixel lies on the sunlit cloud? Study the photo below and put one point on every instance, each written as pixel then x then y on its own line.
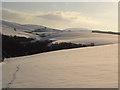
pixel 70 17
pixel 60 16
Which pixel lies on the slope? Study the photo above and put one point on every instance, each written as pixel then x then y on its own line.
pixel 91 67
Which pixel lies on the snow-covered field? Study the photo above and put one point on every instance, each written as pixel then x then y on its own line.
pixel 90 67
pixel 86 38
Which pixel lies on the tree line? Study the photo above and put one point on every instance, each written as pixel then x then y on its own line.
pixel 14 46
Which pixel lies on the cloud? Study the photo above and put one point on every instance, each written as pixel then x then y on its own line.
pixel 68 16
pixel 13 15
pixel 54 19
pixel 60 16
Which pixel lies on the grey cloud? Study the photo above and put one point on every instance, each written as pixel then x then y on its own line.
pixel 53 17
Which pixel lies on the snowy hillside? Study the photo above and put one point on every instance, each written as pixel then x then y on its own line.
pixel 15 25
pixel 6 30
pixel 27 30
pixel 27 27
pixel 90 67
pixel 38 28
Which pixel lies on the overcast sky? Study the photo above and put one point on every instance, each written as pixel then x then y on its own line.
pixel 62 15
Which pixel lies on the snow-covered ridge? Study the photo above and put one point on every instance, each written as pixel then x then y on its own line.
pixel 26 27
pixel 14 25
pixel 6 30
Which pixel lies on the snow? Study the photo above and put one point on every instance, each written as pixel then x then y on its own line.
pixel 33 26
pixel 85 38
pixel 90 67
pixel 10 31
pixel 43 28
pixel 15 25
pixel 27 27
pixel 15 29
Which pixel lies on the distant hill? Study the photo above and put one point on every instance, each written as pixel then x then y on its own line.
pixel 28 27
pixel 26 30
pixel 77 29
pixel 15 25
pixel 38 28
pixel 106 32
pixel 11 31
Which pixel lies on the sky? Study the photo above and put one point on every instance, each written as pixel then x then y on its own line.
pixel 62 15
